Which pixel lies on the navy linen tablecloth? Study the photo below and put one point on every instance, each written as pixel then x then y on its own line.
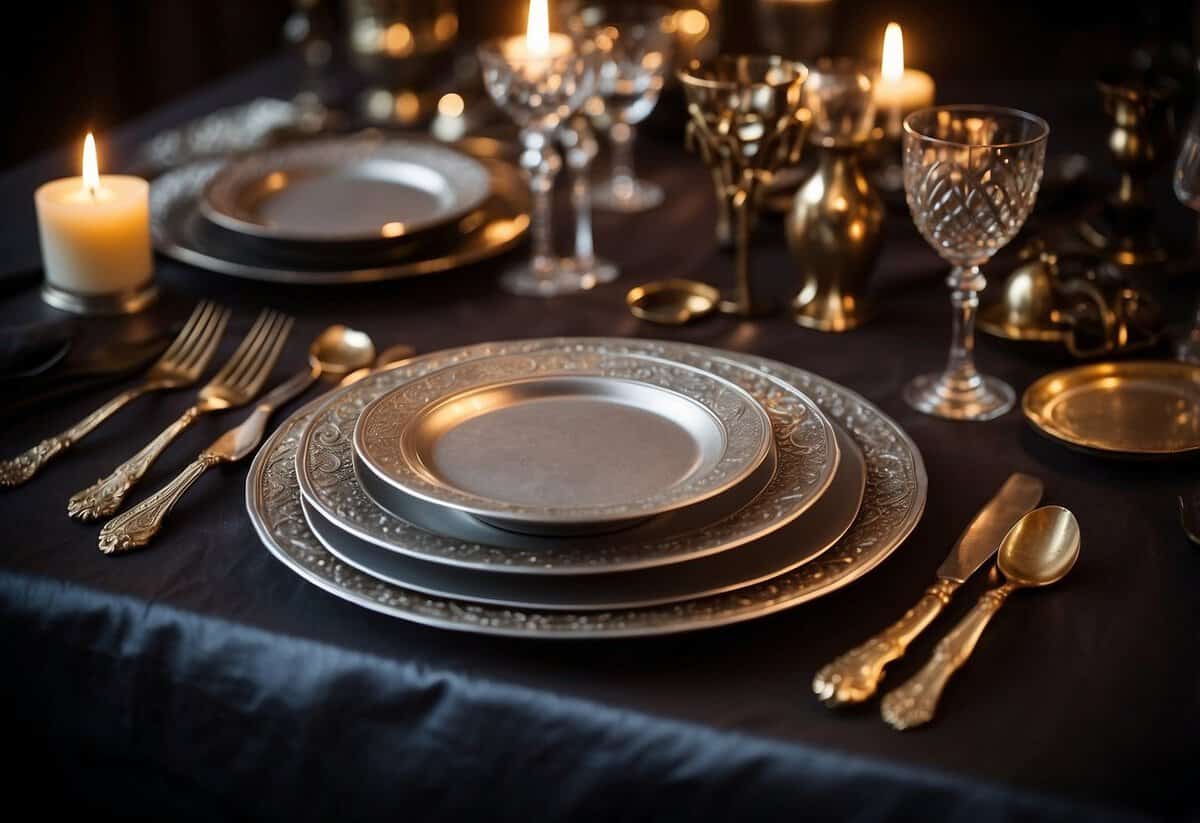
pixel 200 678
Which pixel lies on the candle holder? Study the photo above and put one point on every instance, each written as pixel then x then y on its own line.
pixel 746 119
pixel 539 90
pixel 834 226
pixel 1141 135
pixel 99 305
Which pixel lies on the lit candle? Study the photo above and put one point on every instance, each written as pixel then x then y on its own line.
pixel 95 233
pixel 539 43
pixel 899 90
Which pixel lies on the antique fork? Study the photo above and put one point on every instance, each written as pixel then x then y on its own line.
pixel 179 366
pixel 236 384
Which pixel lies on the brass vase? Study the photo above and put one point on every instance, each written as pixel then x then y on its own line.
pixel 834 228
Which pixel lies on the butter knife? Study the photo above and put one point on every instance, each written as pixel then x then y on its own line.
pixel 137 526
pixel 855 676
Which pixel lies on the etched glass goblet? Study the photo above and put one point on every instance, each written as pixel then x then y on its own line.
pixel 971 176
pixel 633 44
pixel 539 86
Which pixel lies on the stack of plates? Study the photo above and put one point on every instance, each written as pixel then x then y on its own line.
pixel 339 210
pixel 586 487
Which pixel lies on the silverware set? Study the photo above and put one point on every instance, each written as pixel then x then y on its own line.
pixel 1035 547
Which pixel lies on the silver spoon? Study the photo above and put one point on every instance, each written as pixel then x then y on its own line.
pixel 1038 551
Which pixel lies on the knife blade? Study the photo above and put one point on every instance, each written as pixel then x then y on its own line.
pixel 855 676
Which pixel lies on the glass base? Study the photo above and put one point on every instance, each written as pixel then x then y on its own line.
pixel 933 394
pixel 563 278
pixel 642 195
pixel 600 271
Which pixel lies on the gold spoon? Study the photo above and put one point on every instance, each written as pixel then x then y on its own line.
pixel 1039 550
pixel 672 302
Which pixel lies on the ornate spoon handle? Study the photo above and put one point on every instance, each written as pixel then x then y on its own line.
pixel 137 526
pixel 913 702
pixel 16 471
pixel 104 497
pixel 855 676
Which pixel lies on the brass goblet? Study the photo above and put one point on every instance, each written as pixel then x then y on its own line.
pixel 746 119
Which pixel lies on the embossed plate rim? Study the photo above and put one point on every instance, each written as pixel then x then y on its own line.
pixel 746 429
pixel 565 556
pixel 903 507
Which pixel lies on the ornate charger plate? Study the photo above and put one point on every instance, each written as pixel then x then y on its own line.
pixel 181 232
pixel 805 448
pixel 781 551
pixel 345 190
pixel 892 506
pixel 551 443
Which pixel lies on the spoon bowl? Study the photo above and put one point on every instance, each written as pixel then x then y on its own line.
pixel 339 350
pixel 1041 548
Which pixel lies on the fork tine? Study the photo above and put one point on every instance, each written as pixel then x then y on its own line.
pixel 196 341
pixel 270 318
pixel 197 363
pixel 194 319
pixel 248 343
pixel 255 374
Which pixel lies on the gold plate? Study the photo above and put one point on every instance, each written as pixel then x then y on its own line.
pixel 1136 408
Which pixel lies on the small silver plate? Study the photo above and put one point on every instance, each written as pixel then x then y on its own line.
pixel 544 444
pixel 345 190
pixel 799 542
pixel 805 447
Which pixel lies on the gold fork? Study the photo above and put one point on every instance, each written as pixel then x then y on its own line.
pixel 179 366
pixel 236 384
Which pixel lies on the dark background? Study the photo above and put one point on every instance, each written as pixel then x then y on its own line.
pixel 85 65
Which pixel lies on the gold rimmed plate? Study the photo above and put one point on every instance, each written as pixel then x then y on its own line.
pixel 1132 409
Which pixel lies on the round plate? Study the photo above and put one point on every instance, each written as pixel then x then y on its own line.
pixel 892 505
pixel 802 540
pixel 547 444
pixel 1133 408
pixel 804 443
pixel 181 232
pixel 345 190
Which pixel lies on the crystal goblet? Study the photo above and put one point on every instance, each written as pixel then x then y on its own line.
pixel 1186 183
pixel 633 44
pixel 746 120
pixel 539 89
pixel 971 176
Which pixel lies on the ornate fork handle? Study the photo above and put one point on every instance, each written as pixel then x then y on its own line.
pixel 21 468
pixel 854 677
pixel 914 702
pixel 136 527
pixel 104 497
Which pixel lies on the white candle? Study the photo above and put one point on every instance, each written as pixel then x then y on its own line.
pixel 899 90
pixel 538 44
pixel 95 230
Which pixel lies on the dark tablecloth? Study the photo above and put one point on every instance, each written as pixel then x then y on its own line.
pixel 201 678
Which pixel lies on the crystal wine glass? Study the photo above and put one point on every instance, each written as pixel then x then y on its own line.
pixel 1187 189
pixel 539 83
pixel 971 176
pixel 633 44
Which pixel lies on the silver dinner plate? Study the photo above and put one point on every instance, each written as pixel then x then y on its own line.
pixel 182 233
pixel 892 505
pixel 799 542
pixel 805 448
pixel 548 444
pixel 346 190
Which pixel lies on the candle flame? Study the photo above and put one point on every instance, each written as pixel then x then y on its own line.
pixel 893 53
pixel 91 169
pixel 537 33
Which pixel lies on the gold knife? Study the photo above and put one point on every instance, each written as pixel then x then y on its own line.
pixel 855 676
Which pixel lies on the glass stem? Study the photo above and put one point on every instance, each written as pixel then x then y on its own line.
pixel 965 284
pixel 581 200
pixel 624 182
pixel 740 207
pixel 541 163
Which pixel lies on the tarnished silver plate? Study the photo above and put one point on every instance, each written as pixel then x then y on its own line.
pixel 345 190
pixel 894 499
pixel 182 233
pixel 797 543
pixel 805 447
pixel 536 444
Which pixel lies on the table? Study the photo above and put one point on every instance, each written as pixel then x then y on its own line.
pixel 200 678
